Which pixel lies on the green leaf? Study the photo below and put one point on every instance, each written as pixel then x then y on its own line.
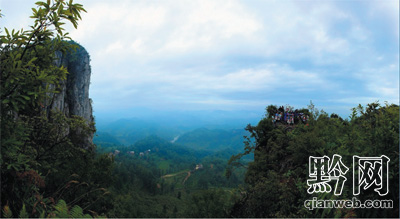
pixel 42 4
pixel 42 214
pixel 34 13
pixel 62 209
pixel 26 97
pixel 7 31
pixel 4 40
pixel 31 61
pixel 15 106
pixel 76 212
pixel 23 213
pixel 7 211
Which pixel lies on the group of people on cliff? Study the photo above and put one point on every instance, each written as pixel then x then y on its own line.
pixel 289 116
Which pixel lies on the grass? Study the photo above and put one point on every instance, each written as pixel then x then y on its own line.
pixel 164 165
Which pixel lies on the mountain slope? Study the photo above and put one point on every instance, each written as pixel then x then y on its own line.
pixel 213 140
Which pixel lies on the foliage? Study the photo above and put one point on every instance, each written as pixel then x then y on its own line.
pixel 48 170
pixel 27 57
pixel 43 157
pixel 276 180
pixel 62 211
pixel 209 204
pixel 158 185
pixel 59 210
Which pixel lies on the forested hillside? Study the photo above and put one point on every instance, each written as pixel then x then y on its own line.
pixel 46 126
pixel 51 168
pixel 155 178
pixel 276 182
pixel 214 139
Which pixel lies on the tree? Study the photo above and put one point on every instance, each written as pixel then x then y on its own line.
pixel 27 57
pixel 276 180
pixel 209 204
pixel 36 143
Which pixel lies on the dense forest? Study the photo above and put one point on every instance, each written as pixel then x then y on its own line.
pixel 276 182
pixel 49 169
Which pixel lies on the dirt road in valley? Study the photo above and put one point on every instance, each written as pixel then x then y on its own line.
pixel 187 177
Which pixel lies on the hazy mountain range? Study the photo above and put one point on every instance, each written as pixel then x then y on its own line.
pixel 203 130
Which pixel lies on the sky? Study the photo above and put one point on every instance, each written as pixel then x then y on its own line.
pixel 234 55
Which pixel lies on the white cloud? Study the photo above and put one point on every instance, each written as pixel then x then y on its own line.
pixel 388 10
pixel 168 27
pixel 383 81
pixel 155 31
pixel 212 89
pixel 210 52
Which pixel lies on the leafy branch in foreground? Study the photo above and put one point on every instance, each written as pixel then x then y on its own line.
pixel 27 57
pixel 40 148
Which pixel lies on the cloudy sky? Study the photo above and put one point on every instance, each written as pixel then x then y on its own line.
pixel 235 55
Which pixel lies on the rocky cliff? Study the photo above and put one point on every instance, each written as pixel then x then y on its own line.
pixel 73 98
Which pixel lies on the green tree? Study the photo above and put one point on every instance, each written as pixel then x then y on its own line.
pixel 209 203
pixel 276 180
pixel 42 152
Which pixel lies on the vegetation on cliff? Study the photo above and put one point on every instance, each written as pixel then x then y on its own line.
pixel 42 151
pixel 49 170
pixel 276 182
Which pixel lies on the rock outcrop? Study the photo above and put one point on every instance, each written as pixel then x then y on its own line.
pixel 73 98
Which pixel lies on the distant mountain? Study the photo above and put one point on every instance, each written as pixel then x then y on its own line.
pixel 104 139
pixel 162 147
pixel 129 131
pixel 208 130
pixel 182 119
pixel 170 124
pixel 213 139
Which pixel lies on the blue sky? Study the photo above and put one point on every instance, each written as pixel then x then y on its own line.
pixel 235 55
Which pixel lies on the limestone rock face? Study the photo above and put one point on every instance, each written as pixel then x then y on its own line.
pixel 73 98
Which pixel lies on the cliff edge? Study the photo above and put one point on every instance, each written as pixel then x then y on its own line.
pixel 73 98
